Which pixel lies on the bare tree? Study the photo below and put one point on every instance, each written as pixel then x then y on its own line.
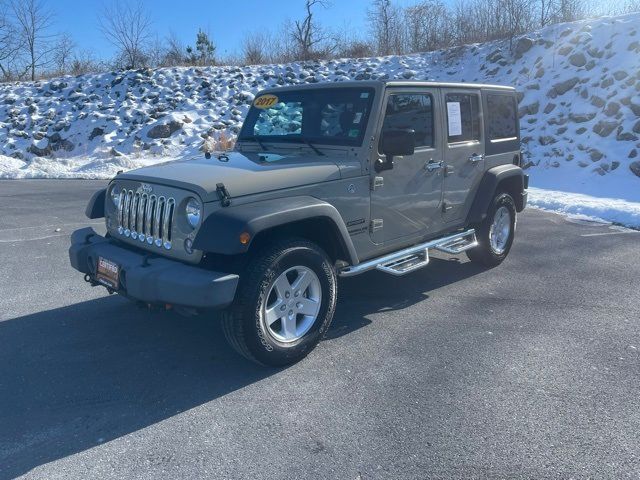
pixel 174 53
pixel 384 25
pixel 308 34
pixel 84 62
pixel 126 25
pixel 631 6
pixel 519 16
pixel 427 26
pixel 156 51
pixel 32 22
pixel 569 10
pixel 254 48
pixel 63 53
pixel 266 46
pixel 9 47
pixel 355 49
pixel 349 45
pixel 545 11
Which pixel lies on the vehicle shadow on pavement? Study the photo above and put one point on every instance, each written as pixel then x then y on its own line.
pixel 75 377
pixel 376 292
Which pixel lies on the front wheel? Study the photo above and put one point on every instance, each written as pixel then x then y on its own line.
pixel 284 304
pixel 495 233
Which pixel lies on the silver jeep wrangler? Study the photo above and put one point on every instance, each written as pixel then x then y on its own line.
pixel 325 180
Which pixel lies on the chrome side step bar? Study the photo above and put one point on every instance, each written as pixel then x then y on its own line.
pixel 412 258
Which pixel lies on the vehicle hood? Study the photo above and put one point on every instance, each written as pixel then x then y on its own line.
pixel 241 173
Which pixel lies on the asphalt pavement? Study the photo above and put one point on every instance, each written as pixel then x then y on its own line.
pixel 527 370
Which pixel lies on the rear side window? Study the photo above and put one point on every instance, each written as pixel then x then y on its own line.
pixel 501 117
pixel 463 117
pixel 411 111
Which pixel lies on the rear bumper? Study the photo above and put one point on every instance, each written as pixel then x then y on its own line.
pixel 158 280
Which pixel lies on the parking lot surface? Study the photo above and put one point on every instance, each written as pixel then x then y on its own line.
pixel 528 370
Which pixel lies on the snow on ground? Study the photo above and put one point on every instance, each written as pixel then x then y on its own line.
pixel 585 206
pixel 580 109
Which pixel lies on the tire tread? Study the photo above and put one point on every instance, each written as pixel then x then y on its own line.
pixel 259 263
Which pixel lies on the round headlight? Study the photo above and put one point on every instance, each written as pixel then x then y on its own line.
pixel 115 195
pixel 194 212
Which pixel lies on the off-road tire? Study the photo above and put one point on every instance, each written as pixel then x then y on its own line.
pixel 484 254
pixel 243 324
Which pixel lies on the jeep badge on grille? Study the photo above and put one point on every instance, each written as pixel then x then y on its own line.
pixel 144 188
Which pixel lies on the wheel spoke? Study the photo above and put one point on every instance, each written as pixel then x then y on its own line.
pixel 274 313
pixel 289 326
pixel 302 282
pixel 290 301
pixel 308 306
pixel 500 230
pixel 282 287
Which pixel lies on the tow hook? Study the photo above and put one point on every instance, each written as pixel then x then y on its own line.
pixel 90 281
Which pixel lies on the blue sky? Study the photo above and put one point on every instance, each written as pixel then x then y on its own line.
pixel 227 21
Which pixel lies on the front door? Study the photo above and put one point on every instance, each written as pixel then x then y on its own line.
pixel 464 150
pixel 405 200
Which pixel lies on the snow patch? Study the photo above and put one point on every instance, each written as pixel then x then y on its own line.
pixel 577 205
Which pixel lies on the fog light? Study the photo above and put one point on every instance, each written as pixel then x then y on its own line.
pixel 188 246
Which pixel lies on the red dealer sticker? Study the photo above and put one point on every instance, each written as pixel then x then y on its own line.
pixel 108 273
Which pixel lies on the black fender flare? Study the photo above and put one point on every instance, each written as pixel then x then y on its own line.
pixel 95 207
pixel 220 231
pixel 509 174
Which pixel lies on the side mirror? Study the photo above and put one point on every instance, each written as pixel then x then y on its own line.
pixel 398 142
pixel 395 143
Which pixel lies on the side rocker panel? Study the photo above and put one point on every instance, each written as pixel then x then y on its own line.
pixel 221 231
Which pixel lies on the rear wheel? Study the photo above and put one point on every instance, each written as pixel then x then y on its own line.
pixel 284 304
pixel 496 232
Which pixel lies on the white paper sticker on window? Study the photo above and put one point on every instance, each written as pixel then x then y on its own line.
pixel 455 119
pixel 357 117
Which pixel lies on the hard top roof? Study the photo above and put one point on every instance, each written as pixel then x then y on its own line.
pixel 390 83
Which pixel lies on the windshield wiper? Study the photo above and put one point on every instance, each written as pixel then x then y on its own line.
pixel 314 148
pixel 259 142
pixel 311 145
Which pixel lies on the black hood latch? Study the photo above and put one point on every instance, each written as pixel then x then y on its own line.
pixel 223 193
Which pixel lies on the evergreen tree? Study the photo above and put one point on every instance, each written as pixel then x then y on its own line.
pixel 204 51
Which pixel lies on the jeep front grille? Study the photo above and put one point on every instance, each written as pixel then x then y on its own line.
pixel 145 217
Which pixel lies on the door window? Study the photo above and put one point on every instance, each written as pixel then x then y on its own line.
pixel 501 117
pixel 463 117
pixel 411 111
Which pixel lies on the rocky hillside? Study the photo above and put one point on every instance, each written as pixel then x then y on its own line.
pixel 580 106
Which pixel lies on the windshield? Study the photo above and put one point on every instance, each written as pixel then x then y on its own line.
pixel 335 116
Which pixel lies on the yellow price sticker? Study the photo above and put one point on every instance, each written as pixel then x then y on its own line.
pixel 265 101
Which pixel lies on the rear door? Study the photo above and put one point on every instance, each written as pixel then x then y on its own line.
pixel 405 200
pixel 463 149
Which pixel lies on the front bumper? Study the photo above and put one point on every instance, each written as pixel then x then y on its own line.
pixel 150 279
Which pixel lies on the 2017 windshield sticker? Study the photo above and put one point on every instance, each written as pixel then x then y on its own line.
pixel 265 101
